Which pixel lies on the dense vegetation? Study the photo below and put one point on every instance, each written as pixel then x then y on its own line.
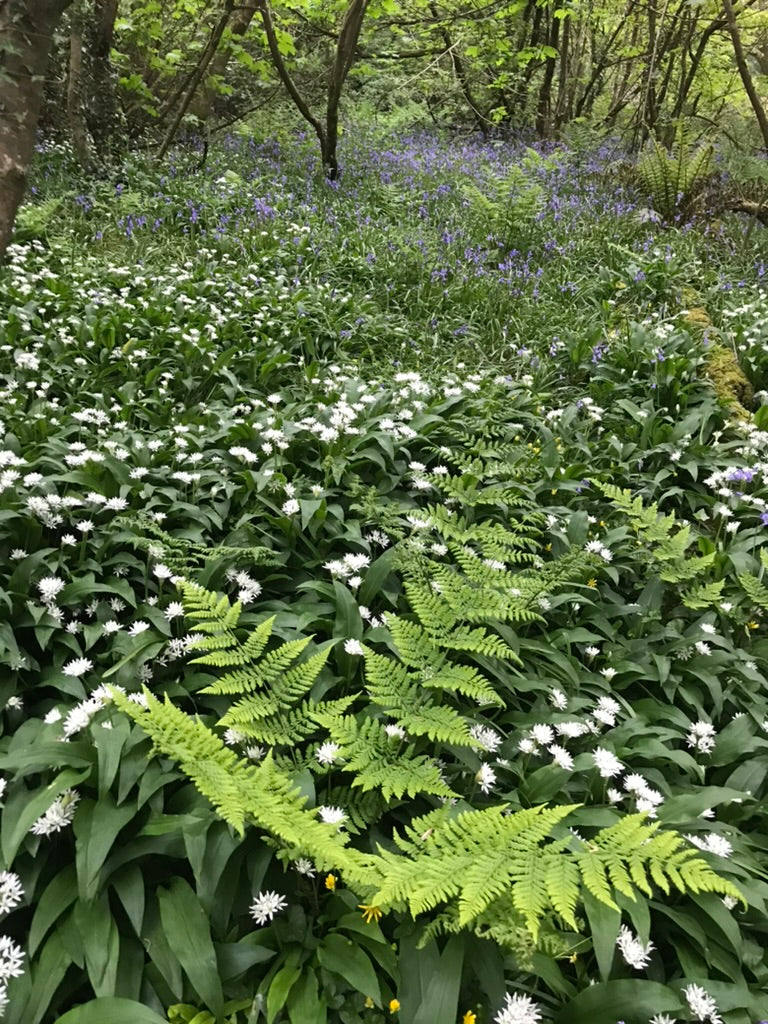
pixel 383 484
pixel 449 448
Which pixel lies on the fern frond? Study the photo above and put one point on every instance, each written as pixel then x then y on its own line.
pixel 756 591
pixel 414 645
pixel 463 679
pixel 243 792
pixel 216 770
pixel 267 671
pixel 473 858
pixel 705 595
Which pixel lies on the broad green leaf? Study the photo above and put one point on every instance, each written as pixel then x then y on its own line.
pixel 101 944
pixel 47 974
pixel 343 957
pixel 109 745
pixel 604 924
pixel 376 575
pixel 188 933
pixel 305 1006
pixel 96 828
pixel 58 895
pixel 111 1010
pixel 43 755
pixel 609 1001
pixel 234 958
pixel 129 886
pixel 441 999
pixel 689 806
pixel 280 989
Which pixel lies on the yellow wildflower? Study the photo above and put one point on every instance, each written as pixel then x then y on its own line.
pixel 394 1005
pixel 330 882
pixel 592 583
pixel 468 1018
pixel 369 1003
pixel 753 625
pixel 370 913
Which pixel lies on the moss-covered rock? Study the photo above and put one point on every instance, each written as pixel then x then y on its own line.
pixel 697 319
pixel 730 383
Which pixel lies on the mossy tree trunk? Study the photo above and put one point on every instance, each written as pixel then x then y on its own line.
pixel 26 36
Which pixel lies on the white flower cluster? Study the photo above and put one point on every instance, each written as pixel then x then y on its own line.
pixel 632 949
pixel 265 905
pixel 702 1005
pixel 59 814
pixel 712 843
pixel 701 737
pixel 250 588
pixel 518 1010
pixel 596 547
pixel 332 815
pixel 349 568
pixel 646 798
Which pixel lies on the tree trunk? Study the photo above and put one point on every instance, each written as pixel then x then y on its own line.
pixel 26 33
pixel 197 76
pixel 461 75
pixel 746 77
pixel 562 112
pixel 345 55
pixel 544 103
pixel 101 107
pixel 327 131
pixel 78 127
pixel 243 16
pixel 285 77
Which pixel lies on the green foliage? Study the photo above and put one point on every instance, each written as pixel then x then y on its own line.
pixel 666 543
pixel 674 179
pixel 408 610
pixel 480 857
pixel 261 794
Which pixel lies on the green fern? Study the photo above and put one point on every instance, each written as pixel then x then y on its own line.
pixel 665 541
pixel 756 591
pixel 498 874
pixel 482 856
pixel 674 179
pixel 392 687
pixel 705 595
pixel 186 557
pixel 375 757
pixel 243 793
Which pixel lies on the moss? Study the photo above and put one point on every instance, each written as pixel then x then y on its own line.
pixel 730 383
pixel 697 319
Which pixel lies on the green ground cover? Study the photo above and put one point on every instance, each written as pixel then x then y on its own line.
pixel 382 625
